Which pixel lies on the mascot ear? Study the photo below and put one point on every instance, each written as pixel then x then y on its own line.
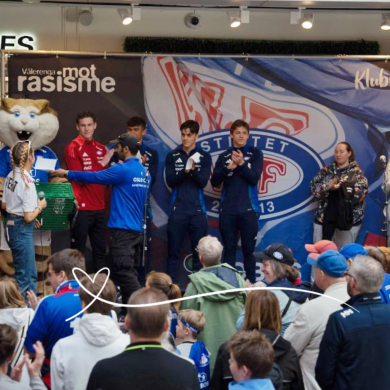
pixel 8 103
pixel 41 104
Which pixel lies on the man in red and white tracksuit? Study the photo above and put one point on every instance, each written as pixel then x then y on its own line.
pixel 85 154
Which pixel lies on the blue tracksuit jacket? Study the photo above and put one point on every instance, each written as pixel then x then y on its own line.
pixel 130 184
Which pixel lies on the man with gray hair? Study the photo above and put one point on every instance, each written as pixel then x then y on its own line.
pixel 221 310
pixel 356 338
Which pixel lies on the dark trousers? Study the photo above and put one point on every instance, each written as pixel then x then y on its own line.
pixel 178 226
pixel 91 223
pixel 125 256
pixel 247 224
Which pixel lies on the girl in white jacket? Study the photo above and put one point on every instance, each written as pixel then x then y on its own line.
pixel 15 313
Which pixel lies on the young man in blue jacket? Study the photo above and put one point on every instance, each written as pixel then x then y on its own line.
pixel 238 171
pixel 187 208
pixel 130 188
pixel 354 351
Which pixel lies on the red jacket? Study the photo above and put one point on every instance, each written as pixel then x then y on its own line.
pixel 81 155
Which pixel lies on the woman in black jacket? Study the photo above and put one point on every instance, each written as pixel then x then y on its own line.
pixel 262 314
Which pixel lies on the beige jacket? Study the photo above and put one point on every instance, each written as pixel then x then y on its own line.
pixel 306 331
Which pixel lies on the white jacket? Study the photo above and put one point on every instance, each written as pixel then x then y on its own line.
pixel 73 358
pixel 19 319
pixel 306 331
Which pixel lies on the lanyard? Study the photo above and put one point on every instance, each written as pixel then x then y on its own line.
pixel 143 346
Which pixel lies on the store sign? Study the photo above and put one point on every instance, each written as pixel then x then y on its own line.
pixel 20 42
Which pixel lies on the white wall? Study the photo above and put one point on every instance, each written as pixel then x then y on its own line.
pixel 53 32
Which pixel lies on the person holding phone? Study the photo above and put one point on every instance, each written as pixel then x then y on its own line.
pixel 340 188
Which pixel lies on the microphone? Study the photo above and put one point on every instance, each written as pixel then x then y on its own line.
pixel 41 194
pixel 383 160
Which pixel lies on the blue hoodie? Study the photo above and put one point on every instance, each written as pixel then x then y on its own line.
pixel 252 384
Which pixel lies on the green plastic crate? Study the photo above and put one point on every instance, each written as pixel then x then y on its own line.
pixel 60 203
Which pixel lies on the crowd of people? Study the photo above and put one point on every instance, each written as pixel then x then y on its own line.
pixel 225 337
pixel 227 331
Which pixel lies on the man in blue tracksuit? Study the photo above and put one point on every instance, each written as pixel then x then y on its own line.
pixel 187 208
pixel 354 351
pixel 136 126
pixel 238 171
pixel 130 185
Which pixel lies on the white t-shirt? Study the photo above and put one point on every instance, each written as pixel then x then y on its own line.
pixel 17 196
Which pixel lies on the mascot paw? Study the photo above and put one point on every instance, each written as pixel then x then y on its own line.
pixel 58 179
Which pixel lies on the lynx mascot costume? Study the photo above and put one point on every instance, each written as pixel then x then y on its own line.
pixel 21 120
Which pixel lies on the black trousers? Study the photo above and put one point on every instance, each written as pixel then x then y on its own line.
pixel 125 257
pixel 247 224
pixel 178 226
pixel 91 223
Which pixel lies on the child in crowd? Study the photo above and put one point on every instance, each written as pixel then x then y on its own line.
pixel 251 359
pixel 190 323
pixel 163 282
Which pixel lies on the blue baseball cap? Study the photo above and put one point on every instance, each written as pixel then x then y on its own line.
pixel 332 263
pixel 350 251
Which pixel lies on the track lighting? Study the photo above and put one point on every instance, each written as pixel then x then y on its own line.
pixel 236 18
pixel 385 25
pixel 307 21
pixel 125 16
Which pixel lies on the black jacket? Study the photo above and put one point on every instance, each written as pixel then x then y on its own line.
pixel 355 350
pixel 286 360
pixel 144 368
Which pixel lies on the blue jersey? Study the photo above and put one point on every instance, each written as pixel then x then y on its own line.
pixel 385 289
pixel 130 184
pixel 36 174
pixel 187 187
pixel 48 324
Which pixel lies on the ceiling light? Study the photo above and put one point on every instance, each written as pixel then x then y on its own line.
pixel 125 16
pixel 32 1
pixel 307 21
pixel 235 22
pixel 238 17
pixel 385 25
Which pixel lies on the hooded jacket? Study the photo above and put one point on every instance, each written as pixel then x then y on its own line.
pixel 221 310
pixel 19 319
pixel 285 357
pixel 73 358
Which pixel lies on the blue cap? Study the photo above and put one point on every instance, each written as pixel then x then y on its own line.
pixel 332 263
pixel 350 251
